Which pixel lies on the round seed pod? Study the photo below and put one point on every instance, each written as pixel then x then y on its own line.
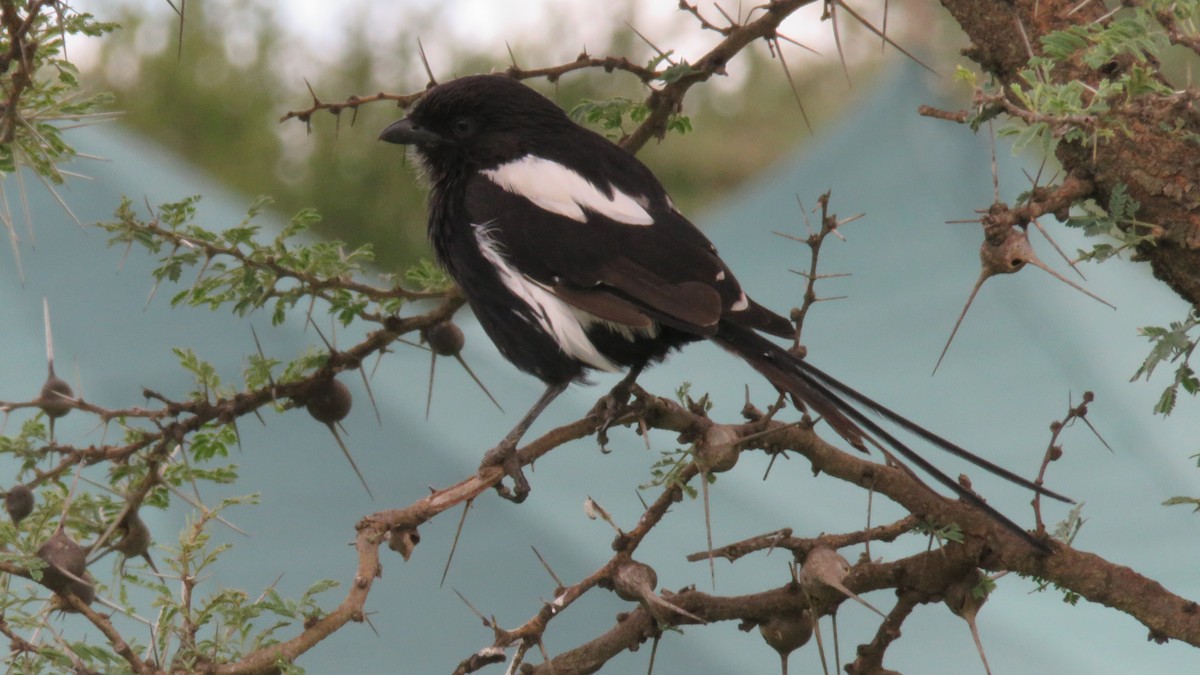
pixel 822 572
pixel 61 554
pixel 633 581
pixel 445 338
pixel 329 401
pixel 18 501
pixel 136 540
pixel 785 634
pixel 717 450
pixel 54 397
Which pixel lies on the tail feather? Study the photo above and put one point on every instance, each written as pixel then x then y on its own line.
pixel 930 437
pixel 816 389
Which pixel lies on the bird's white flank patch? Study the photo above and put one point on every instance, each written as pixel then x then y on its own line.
pixel 560 190
pixel 555 316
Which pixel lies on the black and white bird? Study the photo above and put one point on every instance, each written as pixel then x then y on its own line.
pixel 574 259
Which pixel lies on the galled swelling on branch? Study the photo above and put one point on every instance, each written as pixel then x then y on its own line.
pixel 574 258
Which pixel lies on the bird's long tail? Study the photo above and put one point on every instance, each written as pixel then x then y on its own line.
pixel 823 395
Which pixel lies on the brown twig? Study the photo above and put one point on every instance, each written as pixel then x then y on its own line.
pixel 800 546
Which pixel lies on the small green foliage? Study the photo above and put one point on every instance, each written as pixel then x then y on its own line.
pixel 44 84
pixel 1065 531
pixel 213 441
pixel 259 370
pixel 666 471
pixel 676 72
pixel 28 444
pixel 610 115
pixel 1055 110
pixel 950 532
pixel 1070 597
pixel 302 365
pixel 680 124
pixel 207 379
pixel 683 393
pixel 984 588
pixel 239 268
pixel 226 623
pixel 1117 223
pixel 1172 344
pixel 1193 502
pixel 964 74
pixel 428 276
pixel 1135 34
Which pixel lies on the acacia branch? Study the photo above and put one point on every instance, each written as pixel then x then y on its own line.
pixel 1150 153
pixel 351 609
pixel 661 103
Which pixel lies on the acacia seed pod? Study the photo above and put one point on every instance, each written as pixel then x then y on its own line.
pixel 717 450
pixel 136 540
pixel 61 554
pixel 54 399
pixel 633 580
pixel 445 338
pixel 329 401
pixel 785 634
pixel 18 501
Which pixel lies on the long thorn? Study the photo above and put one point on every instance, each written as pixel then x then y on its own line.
pixel 875 30
pixel 1039 264
pixel 792 83
pixel 712 563
pixel 837 41
pixel 454 546
pixel 983 276
pixel 479 382
pixel 1072 263
pixel 346 452
pixel 429 392
pixel 425 62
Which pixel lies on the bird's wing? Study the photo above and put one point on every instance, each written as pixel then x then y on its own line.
pixel 620 255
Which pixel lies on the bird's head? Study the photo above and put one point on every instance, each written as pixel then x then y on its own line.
pixel 476 122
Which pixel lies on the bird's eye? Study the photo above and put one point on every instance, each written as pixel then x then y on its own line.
pixel 463 127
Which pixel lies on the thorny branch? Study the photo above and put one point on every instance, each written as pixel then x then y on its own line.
pixel 1150 147
pixel 662 102
pixel 20 52
pixel 920 578
pixel 923 574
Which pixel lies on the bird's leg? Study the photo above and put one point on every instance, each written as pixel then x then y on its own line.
pixel 609 406
pixel 505 454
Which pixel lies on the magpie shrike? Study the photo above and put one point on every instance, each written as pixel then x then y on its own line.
pixel 574 259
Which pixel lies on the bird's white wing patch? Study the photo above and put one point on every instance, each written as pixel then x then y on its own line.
pixel 560 190
pixel 555 316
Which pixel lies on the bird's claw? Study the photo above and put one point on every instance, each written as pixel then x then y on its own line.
pixel 505 456
pixel 608 410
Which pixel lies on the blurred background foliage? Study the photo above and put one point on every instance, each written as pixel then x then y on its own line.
pixel 217 100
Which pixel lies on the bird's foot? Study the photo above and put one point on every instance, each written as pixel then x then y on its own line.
pixel 609 408
pixel 505 457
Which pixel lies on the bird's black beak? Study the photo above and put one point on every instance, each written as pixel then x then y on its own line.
pixel 404 132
